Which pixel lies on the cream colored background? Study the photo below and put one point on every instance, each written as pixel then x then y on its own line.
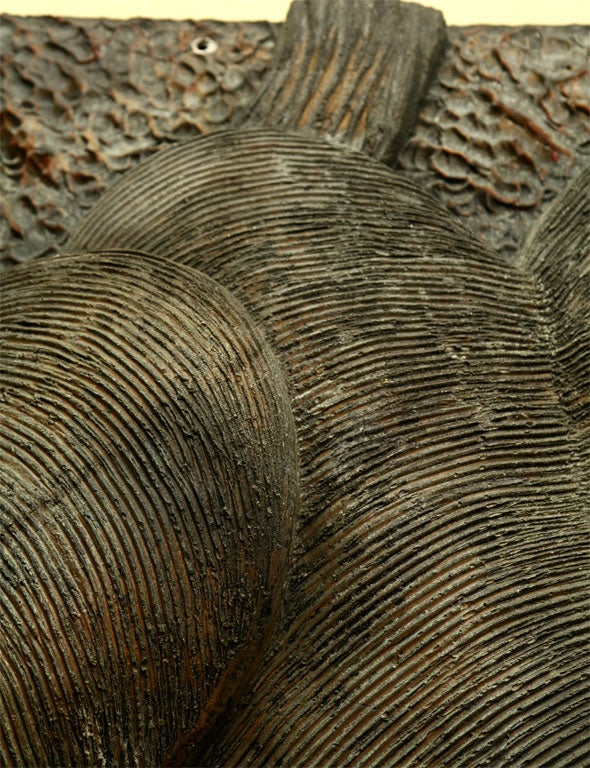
pixel 455 11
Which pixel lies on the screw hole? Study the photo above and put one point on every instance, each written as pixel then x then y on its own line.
pixel 203 46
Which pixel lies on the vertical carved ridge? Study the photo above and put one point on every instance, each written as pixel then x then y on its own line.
pixel 352 71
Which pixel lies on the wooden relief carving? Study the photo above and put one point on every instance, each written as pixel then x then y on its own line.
pixel 297 466
pixel 502 128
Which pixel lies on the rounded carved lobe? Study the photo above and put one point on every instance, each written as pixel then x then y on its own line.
pixel 147 507
pixel 437 614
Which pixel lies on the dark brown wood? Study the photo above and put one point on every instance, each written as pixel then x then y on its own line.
pixel 354 71
pixel 84 100
pixel 443 518
pixel 557 253
pixel 147 507
pixel 504 127
pixel 517 98
pixel 436 611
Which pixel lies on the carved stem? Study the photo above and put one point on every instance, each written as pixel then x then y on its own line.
pixel 351 70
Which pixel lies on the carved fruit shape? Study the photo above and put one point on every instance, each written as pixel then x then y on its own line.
pixel 147 507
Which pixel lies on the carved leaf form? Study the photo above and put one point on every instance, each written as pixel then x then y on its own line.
pixel 147 507
pixel 437 612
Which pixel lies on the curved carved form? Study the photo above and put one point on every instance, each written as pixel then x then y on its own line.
pixel 437 610
pixel 443 527
pixel 557 253
pixel 147 507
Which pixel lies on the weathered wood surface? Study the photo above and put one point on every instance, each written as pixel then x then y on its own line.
pixel 437 602
pixel 504 126
pixel 444 523
pixel 83 101
pixel 147 507
pixel 349 82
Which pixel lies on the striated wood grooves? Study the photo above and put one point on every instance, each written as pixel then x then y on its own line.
pixel 437 614
pixel 354 71
pixel 147 507
pixel 557 253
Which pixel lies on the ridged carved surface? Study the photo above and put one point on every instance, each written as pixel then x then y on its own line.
pixel 504 126
pixel 557 252
pixel 353 71
pixel 437 614
pixel 147 507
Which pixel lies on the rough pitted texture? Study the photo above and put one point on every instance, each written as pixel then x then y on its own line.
pixel 358 81
pixel 504 127
pixel 438 610
pixel 86 100
pixel 147 507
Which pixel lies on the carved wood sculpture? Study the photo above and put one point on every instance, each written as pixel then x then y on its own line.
pixel 435 612
pixel 503 126
pixel 148 503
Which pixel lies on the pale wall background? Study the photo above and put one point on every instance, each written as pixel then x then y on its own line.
pixel 455 11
